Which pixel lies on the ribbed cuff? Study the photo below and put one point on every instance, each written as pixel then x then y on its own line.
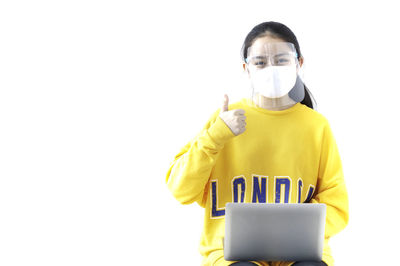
pixel 220 132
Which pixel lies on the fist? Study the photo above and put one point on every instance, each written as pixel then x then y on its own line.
pixel 234 119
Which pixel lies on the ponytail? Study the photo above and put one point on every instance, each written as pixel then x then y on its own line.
pixel 308 99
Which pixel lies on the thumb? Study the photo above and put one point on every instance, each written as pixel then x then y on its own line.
pixel 225 104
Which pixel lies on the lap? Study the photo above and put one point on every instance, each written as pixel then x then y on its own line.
pixel 309 263
pixel 243 263
pixel 297 263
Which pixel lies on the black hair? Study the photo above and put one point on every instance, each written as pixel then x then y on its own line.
pixel 281 31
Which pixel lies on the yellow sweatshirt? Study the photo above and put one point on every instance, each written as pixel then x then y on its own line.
pixel 287 156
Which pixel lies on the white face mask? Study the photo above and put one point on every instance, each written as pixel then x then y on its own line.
pixel 274 81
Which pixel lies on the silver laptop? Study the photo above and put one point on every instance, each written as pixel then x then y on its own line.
pixel 274 232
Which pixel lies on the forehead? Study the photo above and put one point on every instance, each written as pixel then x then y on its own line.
pixel 259 42
pixel 269 44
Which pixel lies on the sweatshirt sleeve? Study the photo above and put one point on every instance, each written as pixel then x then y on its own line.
pixel 331 188
pixel 190 170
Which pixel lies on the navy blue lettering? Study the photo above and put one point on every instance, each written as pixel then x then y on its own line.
pixel 259 194
pixel 215 212
pixel 236 182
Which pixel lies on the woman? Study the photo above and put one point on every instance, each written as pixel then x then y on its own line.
pixel 286 154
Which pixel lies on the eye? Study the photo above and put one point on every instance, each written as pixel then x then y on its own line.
pixel 283 60
pixel 259 63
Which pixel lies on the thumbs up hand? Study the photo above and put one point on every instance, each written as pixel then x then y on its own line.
pixel 234 119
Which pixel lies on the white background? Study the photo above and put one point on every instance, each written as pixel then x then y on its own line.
pixel 97 97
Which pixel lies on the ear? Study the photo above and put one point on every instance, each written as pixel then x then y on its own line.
pixel 245 68
pixel 301 61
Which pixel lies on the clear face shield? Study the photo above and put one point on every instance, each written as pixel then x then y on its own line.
pixel 273 72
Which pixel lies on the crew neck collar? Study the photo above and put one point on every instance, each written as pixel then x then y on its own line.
pixel 272 112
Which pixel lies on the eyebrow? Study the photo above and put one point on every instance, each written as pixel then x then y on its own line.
pixel 261 56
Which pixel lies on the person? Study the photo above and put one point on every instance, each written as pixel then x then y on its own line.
pixel 272 147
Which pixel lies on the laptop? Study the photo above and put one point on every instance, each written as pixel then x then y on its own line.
pixel 274 232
